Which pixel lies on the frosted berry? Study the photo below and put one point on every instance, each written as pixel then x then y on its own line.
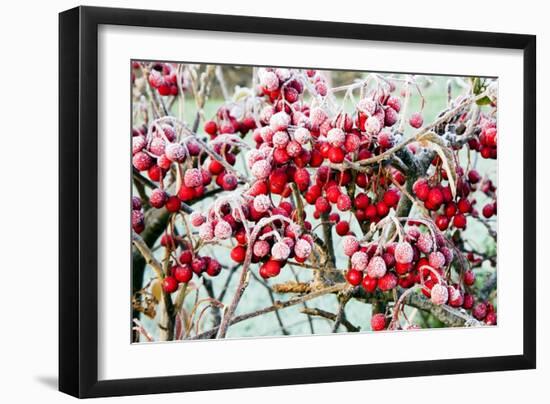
pixel 350 245
pixel 192 178
pixel 279 121
pixel 280 139
pixel 302 249
pixel 158 198
pixel 480 311
pixel 262 203
pixel 436 259
pixel 336 137
pixel 302 135
pixel 425 243
pixel 206 232
pixel 378 322
pixel 376 267
pixel 343 203
pixel 142 161
pixel 136 203
pixel 269 80
pixel 175 152
pixel 359 260
pixel 138 143
pixel 403 253
pixel 387 282
pixel 394 103
pixel 222 230
pixel 280 251
pixel 197 219
pixel 261 248
pixel 372 126
pixel 261 169
pixel 439 294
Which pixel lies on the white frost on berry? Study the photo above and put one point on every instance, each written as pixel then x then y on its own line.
pixel 359 260
pixel 262 203
pixel 223 230
pixel 280 251
pixel 439 294
pixel 377 267
pixel 336 137
pixel 350 245
pixel 302 249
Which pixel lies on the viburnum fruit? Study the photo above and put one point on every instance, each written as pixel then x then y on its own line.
pixel 182 273
pixel 169 284
pixel 378 322
pixel 270 269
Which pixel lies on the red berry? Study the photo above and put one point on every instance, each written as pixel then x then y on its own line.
pixel 459 221
pixel 480 311
pixel 488 210
pixel 336 155
pixel 343 203
pixel 361 201
pixel 416 120
pixel 421 188
pixel 158 198
pixel 442 222
pixel 342 228
pixel 182 273
pixel 391 197
pixel 354 277
pixel 473 176
pixel 173 204
pixel 468 301
pixel 270 269
pixel 213 267
pixel 491 318
pixel 378 322
pixel 369 284
pixel 387 282
pixel 382 209
pixel 169 284
pixel 238 253
pixel 435 198
pixel 211 128
pixel 469 277
pixel 322 205
pixel 464 206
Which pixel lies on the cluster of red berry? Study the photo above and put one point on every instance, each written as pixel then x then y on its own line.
pixel 301 148
pixel 187 264
pixel 164 79
pixel 486 142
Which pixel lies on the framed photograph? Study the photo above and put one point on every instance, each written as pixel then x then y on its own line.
pixel 251 201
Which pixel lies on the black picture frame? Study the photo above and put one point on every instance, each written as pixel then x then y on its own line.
pixel 78 196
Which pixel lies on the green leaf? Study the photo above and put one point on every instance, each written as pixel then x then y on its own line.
pixel 483 101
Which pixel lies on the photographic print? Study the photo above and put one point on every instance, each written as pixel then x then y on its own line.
pixel 288 201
